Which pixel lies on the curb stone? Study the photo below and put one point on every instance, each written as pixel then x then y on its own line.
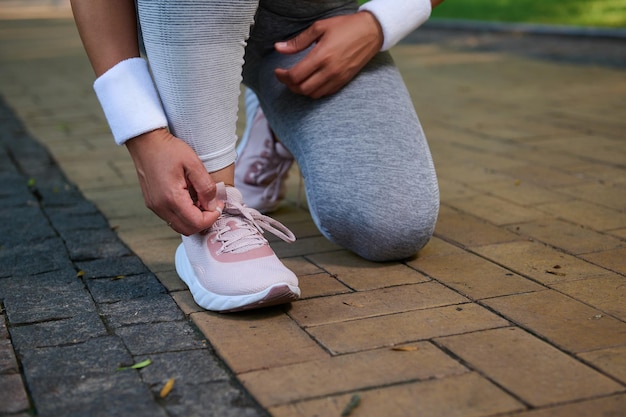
pixel 63 335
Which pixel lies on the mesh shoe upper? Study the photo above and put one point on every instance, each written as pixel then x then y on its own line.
pixel 262 165
pixel 233 257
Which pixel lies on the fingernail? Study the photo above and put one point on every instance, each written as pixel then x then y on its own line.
pixel 281 44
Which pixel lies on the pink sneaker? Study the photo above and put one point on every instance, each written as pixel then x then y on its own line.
pixel 232 267
pixel 262 164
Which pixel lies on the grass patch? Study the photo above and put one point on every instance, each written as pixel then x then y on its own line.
pixel 597 13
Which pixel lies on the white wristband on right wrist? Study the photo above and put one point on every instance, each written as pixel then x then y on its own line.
pixel 398 18
pixel 129 100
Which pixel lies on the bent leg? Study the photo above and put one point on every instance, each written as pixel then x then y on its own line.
pixel 370 180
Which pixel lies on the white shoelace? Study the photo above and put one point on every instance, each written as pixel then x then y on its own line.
pixel 249 230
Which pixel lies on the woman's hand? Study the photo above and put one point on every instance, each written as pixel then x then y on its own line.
pixel 174 182
pixel 344 44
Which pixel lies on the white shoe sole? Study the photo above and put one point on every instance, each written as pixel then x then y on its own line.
pixel 279 293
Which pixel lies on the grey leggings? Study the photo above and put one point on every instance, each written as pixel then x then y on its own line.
pixel 370 181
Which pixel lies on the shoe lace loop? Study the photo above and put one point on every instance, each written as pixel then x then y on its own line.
pixel 250 225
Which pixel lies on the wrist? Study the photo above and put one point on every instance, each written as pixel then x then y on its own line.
pixel 129 100
pixel 376 29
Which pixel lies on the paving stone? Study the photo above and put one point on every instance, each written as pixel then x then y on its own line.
pixel 64 280
pixel 185 302
pixel 319 285
pixel 539 262
pixel 14 397
pixel 604 293
pixel 470 174
pixel 23 225
pixel 469 230
pixel 570 237
pixel 39 305
pixel 495 210
pixel 521 192
pixel 467 395
pixel 528 367
pixel 79 328
pixel 543 176
pixel 435 247
pixel 14 191
pixel 189 367
pixel 303 246
pixel 158 255
pixel 112 267
pixel 609 195
pixel 100 243
pixel 16 198
pixel 344 307
pixel 242 339
pixel 34 258
pixel 568 323
pixel 171 280
pixel 343 373
pixel 143 339
pixel 8 362
pixel 612 406
pixel 474 276
pixel 301 229
pixel 100 356
pixel 360 274
pixel 82 216
pixel 450 189
pixel 82 379
pixel 59 193
pixel 301 266
pixel 213 399
pixel 612 361
pixel 404 327
pixel 587 214
pixel 109 290
pixel 150 309
pixel 121 394
pixel 613 259
pixel 621 233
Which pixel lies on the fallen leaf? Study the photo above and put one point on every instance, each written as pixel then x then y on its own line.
pixel 167 388
pixel 353 304
pixel 31 182
pixel 117 277
pixel 352 404
pixel 138 365
pixel 80 273
pixel 405 348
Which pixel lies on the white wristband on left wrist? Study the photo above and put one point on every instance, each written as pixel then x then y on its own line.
pixel 398 18
pixel 130 100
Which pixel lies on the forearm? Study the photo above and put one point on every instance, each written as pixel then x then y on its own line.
pixel 108 29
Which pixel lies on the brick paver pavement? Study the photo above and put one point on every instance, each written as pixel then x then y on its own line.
pixel 517 305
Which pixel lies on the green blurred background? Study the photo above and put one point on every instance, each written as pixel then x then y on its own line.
pixel 596 13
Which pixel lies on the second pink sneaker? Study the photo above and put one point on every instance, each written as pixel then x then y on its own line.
pixel 262 163
pixel 232 267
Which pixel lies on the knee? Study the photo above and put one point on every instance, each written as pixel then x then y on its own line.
pixel 390 235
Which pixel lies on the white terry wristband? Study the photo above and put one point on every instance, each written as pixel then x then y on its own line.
pixel 129 99
pixel 398 18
